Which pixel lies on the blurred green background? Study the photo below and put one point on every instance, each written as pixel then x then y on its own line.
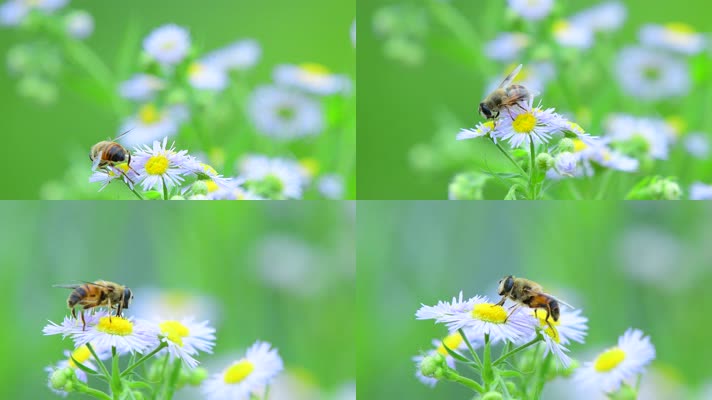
pixel 283 273
pixel 39 141
pixel 401 106
pixel 634 265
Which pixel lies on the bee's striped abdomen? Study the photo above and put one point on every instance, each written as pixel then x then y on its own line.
pixel 76 296
pixel 115 153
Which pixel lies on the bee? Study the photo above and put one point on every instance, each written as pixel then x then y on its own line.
pixel 108 153
pixel 529 293
pixel 98 294
pixel 505 96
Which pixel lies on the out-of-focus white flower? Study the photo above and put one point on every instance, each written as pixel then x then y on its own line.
pixel 677 37
pixel 566 162
pixel 700 191
pixel 655 133
pixel 352 33
pixel 604 17
pixel 531 10
pixel 331 186
pixel 285 114
pixel 664 384
pixel 697 144
pixel 312 78
pixel 168 44
pixel 12 13
pixel 150 124
pixel 272 178
pixel 569 34
pixel 141 87
pixel 174 304
pixel 507 46
pixel 294 386
pixel 80 24
pixel 240 55
pixel 651 75
pixel 205 76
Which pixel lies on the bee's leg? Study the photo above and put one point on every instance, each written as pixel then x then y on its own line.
pixel 512 309
pixel 501 301
pixel 510 113
pixel 109 300
pixel 520 106
pixel 513 306
pixel 119 308
pixel 126 176
pixel 74 313
pixel 84 323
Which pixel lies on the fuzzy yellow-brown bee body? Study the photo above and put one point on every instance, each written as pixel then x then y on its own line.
pixel 531 294
pixel 109 153
pixel 505 96
pixel 99 293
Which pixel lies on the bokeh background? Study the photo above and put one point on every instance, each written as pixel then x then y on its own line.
pixel 40 141
pixel 273 272
pixel 634 265
pixel 406 111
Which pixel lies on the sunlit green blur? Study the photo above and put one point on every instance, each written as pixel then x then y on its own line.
pixel 39 142
pixel 277 273
pixel 402 106
pixel 633 265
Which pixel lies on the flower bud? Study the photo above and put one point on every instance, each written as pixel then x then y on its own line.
pixel 199 187
pixel 566 144
pixel 656 188
pixel 432 365
pixel 492 396
pixel 544 161
pixel 467 186
pixel 58 378
pixel 177 197
pixel 566 163
pixel 197 376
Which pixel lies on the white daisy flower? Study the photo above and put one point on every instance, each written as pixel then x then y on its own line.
pixel 654 132
pixel 245 377
pixel 240 55
pixel 47 5
pixel 531 10
pixel 522 125
pixel 285 114
pixel 109 173
pixel 331 186
pixel 453 341
pixel 80 24
pixel 604 17
pixel 571 326
pixel 569 34
pixel 618 364
pixel 651 75
pixel 186 338
pixel 71 326
pixel 311 78
pixel 160 165
pixel 205 76
pixel 12 13
pixel 604 156
pixel 141 87
pixel 700 191
pixel 149 124
pixel 274 178
pixel 168 44
pixel 677 37
pixel 479 317
pixel 697 144
pixel 566 163
pixel 482 129
pixel 507 46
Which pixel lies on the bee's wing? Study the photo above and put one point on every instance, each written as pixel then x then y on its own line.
pixel 96 284
pixel 562 302
pixel 510 77
pixel 121 135
pixel 68 285
pixel 97 160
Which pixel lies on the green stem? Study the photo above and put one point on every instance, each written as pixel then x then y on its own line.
pixel 532 169
pixel 93 392
pixel 452 375
pixel 541 379
pixel 506 154
pixel 165 189
pixel 115 373
pixel 469 346
pixel 143 359
pixel 173 381
pixel 604 184
pixel 98 361
pixel 487 372
pixel 505 356
pixel 134 191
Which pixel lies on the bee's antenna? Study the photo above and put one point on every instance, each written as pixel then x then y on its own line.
pixel 121 135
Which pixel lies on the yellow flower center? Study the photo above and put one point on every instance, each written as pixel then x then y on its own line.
pixel 149 114
pixel 574 127
pixel 212 186
pixel 174 331
pixel 489 313
pixel 550 326
pixel 239 371
pixel 561 26
pixel 314 69
pixel 579 145
pixel 524 123
pixel 679 27
pixel 677 124
pixel 195 69
pixel 157 165
pixel 208 169
pixel 609 359
pixel 489 124
pixel 452 342
pixel 310 165
pixel 115 326
pixel 81 354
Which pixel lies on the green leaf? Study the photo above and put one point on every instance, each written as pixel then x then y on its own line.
pixel 153 195
pixel 127 53
pixel 512 193
pixel 457 355
pixel 84 367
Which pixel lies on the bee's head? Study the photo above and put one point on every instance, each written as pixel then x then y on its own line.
pixel 485 111
pixel 505 285
pixel 128 296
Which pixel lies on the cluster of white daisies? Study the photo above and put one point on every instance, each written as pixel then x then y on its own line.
pixel 177 175
pixel 182 340
pixel 477 317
